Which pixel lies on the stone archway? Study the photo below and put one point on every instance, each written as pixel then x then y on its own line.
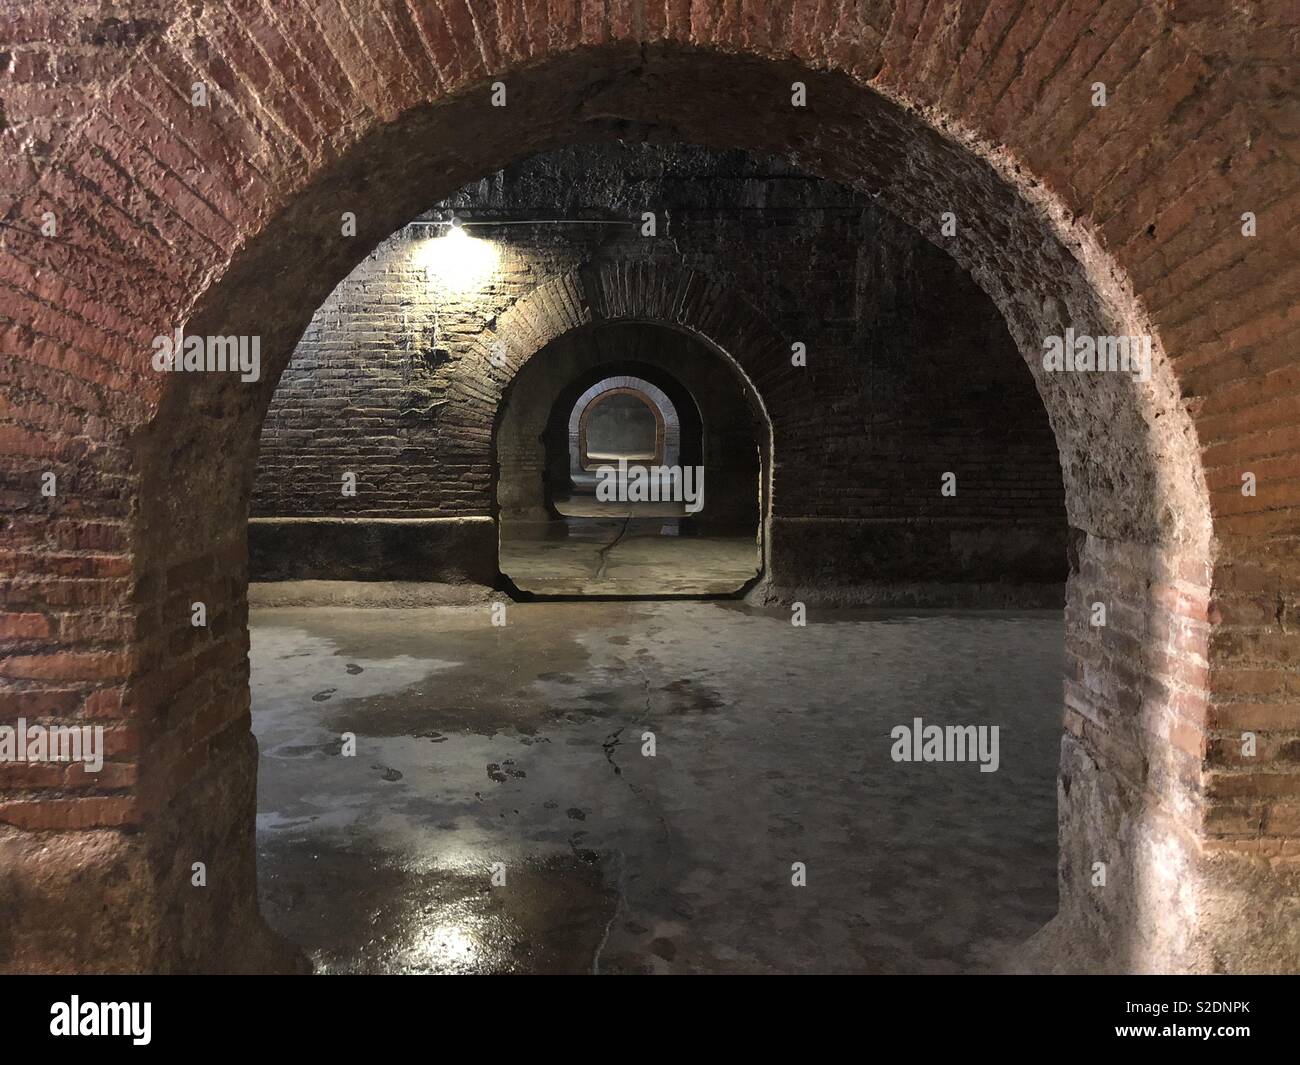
pixel 695 518
pixel 1103 219
pixel 651 399
pixel 678 299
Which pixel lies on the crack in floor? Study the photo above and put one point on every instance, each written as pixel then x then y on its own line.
pixel 604 551
pixel 611 742
pixel 664 861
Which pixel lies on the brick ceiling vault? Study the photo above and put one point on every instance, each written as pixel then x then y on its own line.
pixel 1123 219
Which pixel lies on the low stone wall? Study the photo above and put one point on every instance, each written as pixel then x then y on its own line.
pixel 447 550
pixel 963 561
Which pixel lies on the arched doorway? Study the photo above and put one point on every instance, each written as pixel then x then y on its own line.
pixel 165 467
pixel 680 513
pixel 622 422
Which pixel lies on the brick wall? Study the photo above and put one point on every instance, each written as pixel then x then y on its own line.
pixel 911 371
pixel 1118 219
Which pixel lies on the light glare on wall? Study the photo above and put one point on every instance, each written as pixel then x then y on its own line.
pixel 457 262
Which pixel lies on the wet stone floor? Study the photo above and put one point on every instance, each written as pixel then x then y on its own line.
pixel 625 555
pixel 514 754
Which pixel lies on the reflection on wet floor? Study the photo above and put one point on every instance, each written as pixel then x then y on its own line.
pixel 499 813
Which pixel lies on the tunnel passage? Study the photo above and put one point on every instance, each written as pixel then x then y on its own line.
pixel 909 373
pixel 903 345
pixel 1102 219
pixel 679 515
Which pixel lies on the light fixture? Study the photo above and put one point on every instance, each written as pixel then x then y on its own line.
pixel 456 262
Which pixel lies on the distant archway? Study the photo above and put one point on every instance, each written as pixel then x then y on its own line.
pixel 651 432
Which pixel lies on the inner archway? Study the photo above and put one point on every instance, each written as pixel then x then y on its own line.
pixel 679 511
pixel 621 422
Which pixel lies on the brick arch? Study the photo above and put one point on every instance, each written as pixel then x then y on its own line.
pixel 1121 219
pixel 640 291
pixel 655 293
pixel 651 397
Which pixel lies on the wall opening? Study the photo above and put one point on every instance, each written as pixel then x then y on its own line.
pixel 620 424
pixel 611 628
pixel 678 511
pixel 164 463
